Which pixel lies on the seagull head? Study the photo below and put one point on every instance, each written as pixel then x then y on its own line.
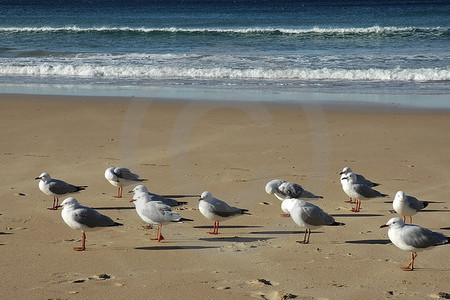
pixel 139 198
pixel 400 196
pixel 44 177
pixel 394 223
pixel 140 189
pixel 70 202
pixel 205 196
pixel 272 186
pixel 345 170
pixel 351 177
pixel 344 177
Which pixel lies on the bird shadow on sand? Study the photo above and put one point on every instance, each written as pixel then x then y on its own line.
pixel 277 232
pixel 181 196
pixel 229 226
pixel 356 215
pixel 420 200
pixel 114 208
pixel 435 210
pixel 236 239
pixel 369 242
pixel 173 247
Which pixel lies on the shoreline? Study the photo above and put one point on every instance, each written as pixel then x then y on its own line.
pixel 339 106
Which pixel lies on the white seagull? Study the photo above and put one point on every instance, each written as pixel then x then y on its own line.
pixel 156 212
pixel 308 216
pixel 406 205
pixel 287 190
pixel 359 177
pixel 121 177
pixel 83 218
pixel 55 188
pixel 142 189
pixel 358 190
pixel 217 210
pixel 413 238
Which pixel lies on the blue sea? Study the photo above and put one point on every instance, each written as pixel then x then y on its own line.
pixel 380 51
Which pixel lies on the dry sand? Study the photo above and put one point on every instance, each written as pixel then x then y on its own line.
pixel 184 148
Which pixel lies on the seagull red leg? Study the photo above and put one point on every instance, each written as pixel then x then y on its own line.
pixel 410 266
pixel 119 193
pixel 55 206
pixel 357 206
pixel 215 228
pixel 159 237
pixel 83 243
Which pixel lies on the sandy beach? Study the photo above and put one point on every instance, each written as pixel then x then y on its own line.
pixel 232 150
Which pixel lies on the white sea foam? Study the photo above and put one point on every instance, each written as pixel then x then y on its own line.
pixel 177 72
pixel 251 30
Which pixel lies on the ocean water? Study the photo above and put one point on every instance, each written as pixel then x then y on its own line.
pixel 223 48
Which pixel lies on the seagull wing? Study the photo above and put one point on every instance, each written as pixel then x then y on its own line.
pixel 126 174
pixel 291 190
pixel 314 215
pixel 414 203
pixel 91 218
pixel 222 209
pixel 366 191
pixel 60 187
pixel 420 237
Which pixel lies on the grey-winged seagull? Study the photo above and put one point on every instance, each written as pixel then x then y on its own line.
pixel 121 177
pixel 84 218
pixel 287 190
pixel 156 213
pixel 308 216
pixel 217 210
pixel 413 238
pixel 358 190
pixel 55 187
pixel 406 205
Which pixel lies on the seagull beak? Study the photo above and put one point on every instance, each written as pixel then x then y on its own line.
pixel 132 200
pixel 200 199
pixel 58 206
pixel 385 225
pixel 37 178
pixel 341 173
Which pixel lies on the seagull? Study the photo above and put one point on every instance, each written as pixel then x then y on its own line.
pixel 55 188
pixel 358 190
pixel 217 210
pixel 407 205
pixel 156 212
pixel 309 216
pixel 121 177
pixel 413 238
pixel 142 189
pixel 359 177
pixel 83 218
pixel 287 190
